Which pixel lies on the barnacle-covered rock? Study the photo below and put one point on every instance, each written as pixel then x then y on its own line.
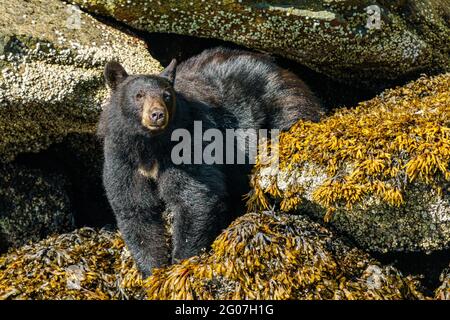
pixel 33 204
pixel 358 40
pixel 443 292
pixel 84 264
pixel 280 256
pixel 51 62
pixel 379 172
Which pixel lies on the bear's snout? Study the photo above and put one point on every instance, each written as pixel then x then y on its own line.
pixel 155 116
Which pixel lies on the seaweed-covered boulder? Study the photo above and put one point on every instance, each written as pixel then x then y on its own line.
pixel 83 264
pixel 379 172
pixel 261 255
pixel 51 61
pixel 33 204
pixel 358 40
pixel 279 256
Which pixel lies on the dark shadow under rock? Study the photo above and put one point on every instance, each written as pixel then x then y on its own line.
pixel 53 191
pixel 426 266
pixel 33 204
pixel 80 159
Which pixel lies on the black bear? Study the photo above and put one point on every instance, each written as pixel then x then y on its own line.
pixel 222 88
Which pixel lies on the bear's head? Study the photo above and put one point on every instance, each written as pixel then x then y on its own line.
pixel 147 102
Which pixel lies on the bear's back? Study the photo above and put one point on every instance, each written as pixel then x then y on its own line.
pixel 222 70
pixel 246 90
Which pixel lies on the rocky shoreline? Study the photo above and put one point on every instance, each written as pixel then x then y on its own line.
pixel 354 194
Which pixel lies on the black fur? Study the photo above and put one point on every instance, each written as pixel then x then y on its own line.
pixel 224 89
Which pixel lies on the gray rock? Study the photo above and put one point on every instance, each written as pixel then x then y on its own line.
pixel 51 91
pixel 51 62
pixel 358 40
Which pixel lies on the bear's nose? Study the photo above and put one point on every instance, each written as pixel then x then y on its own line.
pixel 154 116
pixel 157 115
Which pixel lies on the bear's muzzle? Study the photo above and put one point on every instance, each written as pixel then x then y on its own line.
pixel 154 115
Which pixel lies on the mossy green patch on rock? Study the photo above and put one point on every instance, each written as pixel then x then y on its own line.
pixel 379 172
pixel 334 37
pixel 51 81
pixel 279 256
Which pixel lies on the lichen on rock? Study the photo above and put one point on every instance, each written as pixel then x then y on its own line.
pixel 51 81
pixel 378 172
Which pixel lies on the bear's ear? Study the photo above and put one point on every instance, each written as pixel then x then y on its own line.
pixel 114 74
pixel 170 71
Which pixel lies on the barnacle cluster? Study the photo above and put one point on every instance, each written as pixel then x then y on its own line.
pixel 84 264
pixel 279 256
pixel 388 156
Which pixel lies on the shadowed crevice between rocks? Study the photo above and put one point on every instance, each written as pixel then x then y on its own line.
pixel 428 267
pixel 79 158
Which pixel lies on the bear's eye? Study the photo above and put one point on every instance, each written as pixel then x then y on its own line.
pixel 139 95
pixel 167 96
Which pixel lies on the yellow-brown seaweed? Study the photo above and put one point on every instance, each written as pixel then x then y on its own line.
pixel 279 256
pixel 369 168
pixel 84 264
